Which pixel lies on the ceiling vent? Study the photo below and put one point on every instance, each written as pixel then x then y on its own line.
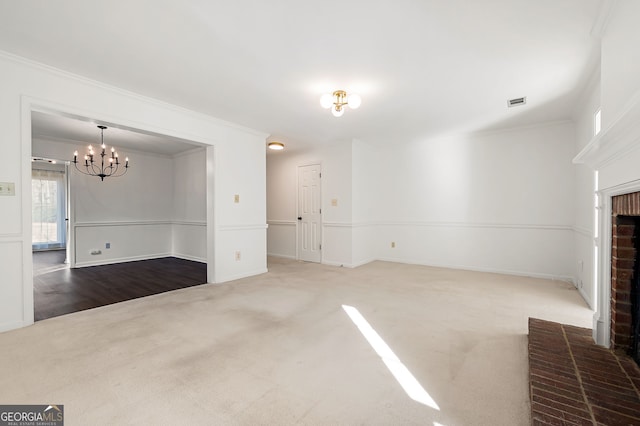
pixel 516 102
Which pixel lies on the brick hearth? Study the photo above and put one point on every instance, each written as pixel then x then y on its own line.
pixel 575 382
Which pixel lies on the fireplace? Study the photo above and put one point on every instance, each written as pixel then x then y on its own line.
pixel 625 274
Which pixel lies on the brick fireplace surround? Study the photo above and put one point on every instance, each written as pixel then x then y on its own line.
pixel 572 380
pixel 626 215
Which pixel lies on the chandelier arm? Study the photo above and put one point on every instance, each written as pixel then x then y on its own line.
pixel 81 171
pixel 94 168
pixel 112 170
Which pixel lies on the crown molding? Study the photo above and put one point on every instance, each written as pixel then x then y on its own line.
pixel 146 99
pixel 620 138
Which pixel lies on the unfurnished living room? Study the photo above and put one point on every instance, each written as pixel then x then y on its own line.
pixel 318 213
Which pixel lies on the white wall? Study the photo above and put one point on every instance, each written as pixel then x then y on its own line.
pixel 282 169
pixel 584 224
pixel 368 174
pixel 620 62
pixel 189 219
pixel 235 162
pixel 500 201
pixel 132 213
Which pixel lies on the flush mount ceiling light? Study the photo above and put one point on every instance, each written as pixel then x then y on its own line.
pixel 337 100
pixel 112 168
pixel 277 146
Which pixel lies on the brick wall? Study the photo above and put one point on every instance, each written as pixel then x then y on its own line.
pixel 626 216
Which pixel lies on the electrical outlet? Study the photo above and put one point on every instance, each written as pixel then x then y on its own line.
pixel 107 245
pixel 393 244
pixel 334 202
pixel 8 188
pixel 238 256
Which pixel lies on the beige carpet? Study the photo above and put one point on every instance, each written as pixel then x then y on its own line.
pixel 280 349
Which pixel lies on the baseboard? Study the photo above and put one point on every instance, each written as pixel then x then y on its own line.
pixel 586 299
pixel 339 264
pixel 122 260
pixel 347 265
pixel 363 262
pixel 14 325
pixel 283 256
pixel 565 278
pixel 241 275
pixel 189 257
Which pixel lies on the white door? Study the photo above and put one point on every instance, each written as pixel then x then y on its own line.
pixel 309 214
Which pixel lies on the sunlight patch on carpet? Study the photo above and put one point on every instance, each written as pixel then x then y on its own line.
pixel 402 374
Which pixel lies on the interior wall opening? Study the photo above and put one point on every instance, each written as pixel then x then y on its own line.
pixel 131 236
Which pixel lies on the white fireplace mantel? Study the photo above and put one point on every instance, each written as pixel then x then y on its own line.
pixel 618 139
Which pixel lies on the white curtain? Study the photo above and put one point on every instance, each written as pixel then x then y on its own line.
pixel 48 209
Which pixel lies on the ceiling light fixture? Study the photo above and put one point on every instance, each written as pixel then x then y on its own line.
pixel 276 146
pixel 92 168
pixel 337 100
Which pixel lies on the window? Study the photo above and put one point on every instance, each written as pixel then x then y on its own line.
pixel 597 122
pixel 48 209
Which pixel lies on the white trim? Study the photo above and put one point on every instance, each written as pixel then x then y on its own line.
pixel 242 275
pixel 565 278
pixel 602 316
pixel 436 224
pixel 481 225
pixel 195 150
pixel 583 231
pixel 283 256
pixel 282 222
pixel 337 224
pixel 13 325
pixel 348 265
pixel 10 238
pixel 189 257
pixel 585 297
pixel 122 223
pixel 616 141
pixel 189 223
pixel 124 260
pixel 256 227
pixel 140 223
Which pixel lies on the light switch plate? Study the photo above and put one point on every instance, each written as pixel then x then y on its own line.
pixel 334 202
pixel 236 198
pixel 8 188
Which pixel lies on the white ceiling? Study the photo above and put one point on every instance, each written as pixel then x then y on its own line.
pixel 85 132
pixel 424 68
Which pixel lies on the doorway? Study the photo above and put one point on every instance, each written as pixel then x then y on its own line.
pixel 50 240
pixel 309 240
pixel 131 238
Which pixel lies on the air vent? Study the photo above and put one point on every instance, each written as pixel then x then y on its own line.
pixel 516 102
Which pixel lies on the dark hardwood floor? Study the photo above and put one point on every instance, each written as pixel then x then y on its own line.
pixel 70 290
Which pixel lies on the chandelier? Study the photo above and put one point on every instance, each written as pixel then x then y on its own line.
pixel 337 100
pixel 102 168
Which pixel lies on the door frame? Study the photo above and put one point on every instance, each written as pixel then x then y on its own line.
pixel 321 236
pixel 30 104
